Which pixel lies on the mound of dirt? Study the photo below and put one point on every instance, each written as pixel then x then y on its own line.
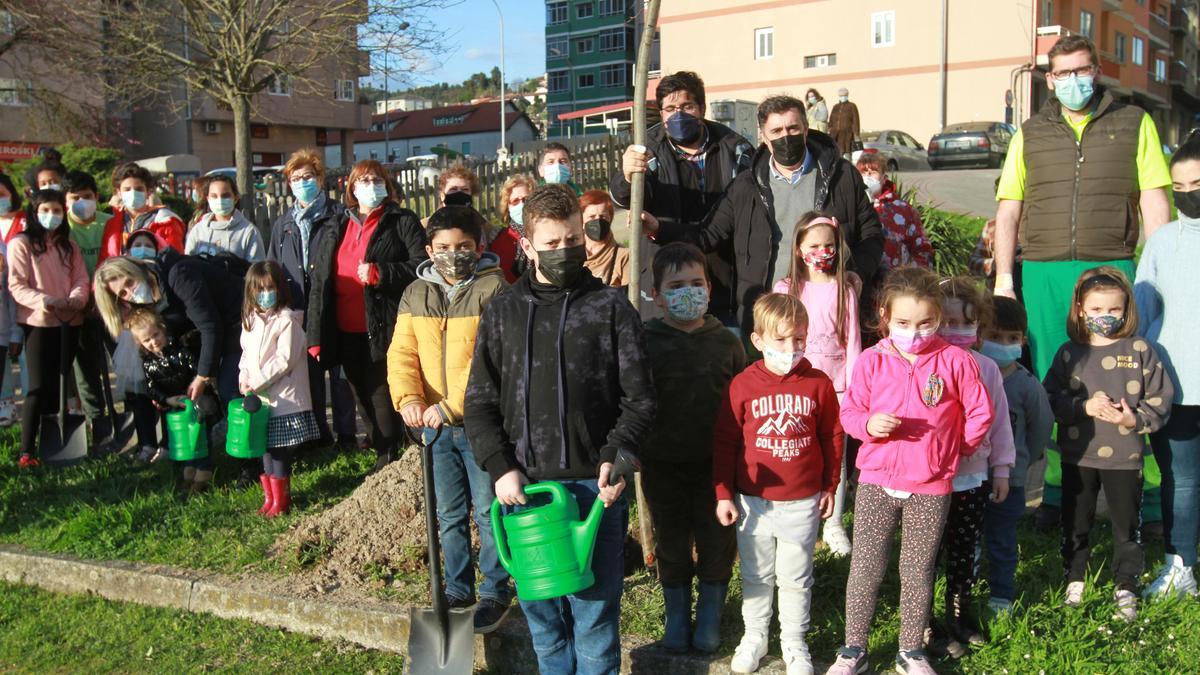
pixel 376 532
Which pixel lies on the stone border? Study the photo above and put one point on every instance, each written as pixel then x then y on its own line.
pixel 508 650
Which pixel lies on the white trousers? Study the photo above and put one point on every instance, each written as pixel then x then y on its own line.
pixel 775 541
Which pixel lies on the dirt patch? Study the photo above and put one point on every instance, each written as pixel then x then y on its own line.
pixel 367 539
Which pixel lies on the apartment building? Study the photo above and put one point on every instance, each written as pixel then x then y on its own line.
pixel 917 64
pixel 591 47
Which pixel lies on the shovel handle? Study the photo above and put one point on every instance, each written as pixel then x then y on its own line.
pixel 418 438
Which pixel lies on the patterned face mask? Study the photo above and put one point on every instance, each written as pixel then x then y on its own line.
pixel 455 264
pixel 821 259
pixel 688 303
pixel 1105 324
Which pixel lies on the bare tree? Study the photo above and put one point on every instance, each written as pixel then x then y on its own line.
pixel 160 51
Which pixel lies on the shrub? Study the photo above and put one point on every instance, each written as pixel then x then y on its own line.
pixel 952 235
pixel 99 162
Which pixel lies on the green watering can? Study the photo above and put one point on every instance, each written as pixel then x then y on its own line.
pixel 547 549
pixel 186 439
pixel 247 435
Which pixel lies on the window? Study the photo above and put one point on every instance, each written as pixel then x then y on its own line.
pixel 1047 13
pixel 585 45
pixel 820 61
pixel 556 13
pixel 281 85
pixel 416 149
pixel 14 92
pixel 1160 70
pixel 556 47
pixel 449 120
pixel 883 29
pixel 466 147
pixel 1085 24
pixel 764 43
pixel 1139 51
pixel 584 10
pixel 614 75
pixel 343 90
pixel 1119 47
pixel 610 7
pixel 612 40
pixel 587 80
pixel 557 81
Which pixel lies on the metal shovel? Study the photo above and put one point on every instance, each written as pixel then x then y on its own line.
pixel 62 438
pixel 122 423
pixel 440 639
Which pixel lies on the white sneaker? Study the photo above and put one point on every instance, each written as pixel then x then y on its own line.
pixel 797 659
pixel 1074 594
pixel 835 537
pixel 147 454
pixel 1126 606
pixel 1174 580
pixel 749 652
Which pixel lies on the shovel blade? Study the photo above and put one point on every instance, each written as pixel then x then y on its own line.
pixel 432 650
pixel 122 435
pixel 63 445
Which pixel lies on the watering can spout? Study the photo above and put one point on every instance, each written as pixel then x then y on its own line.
pixel 584 533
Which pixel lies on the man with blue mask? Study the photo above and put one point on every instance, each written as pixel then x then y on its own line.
pixel 554 166
pixel 688 161
pixel 1071 175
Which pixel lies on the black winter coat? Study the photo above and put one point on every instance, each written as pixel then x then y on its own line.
pixel 746 215
pixel 201 294
pixel 286 248
pixel 396 248
pixel 559 382
pixel 170 374
pixel 674 193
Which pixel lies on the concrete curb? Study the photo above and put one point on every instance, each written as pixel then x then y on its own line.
pixel 508 650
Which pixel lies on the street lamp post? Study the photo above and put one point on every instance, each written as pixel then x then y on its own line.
pixel 502 154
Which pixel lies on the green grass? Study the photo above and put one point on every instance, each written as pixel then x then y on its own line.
pixel 49 633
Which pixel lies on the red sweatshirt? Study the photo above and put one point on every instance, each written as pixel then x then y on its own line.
pixel 778 437
pixel 351 304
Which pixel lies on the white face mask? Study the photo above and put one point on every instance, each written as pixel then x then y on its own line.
pixel 874 186
pixel 133 200
pixel 141 294
pixel 781 362
pixel 370 195
pixel 222 206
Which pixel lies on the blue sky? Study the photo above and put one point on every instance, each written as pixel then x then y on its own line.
pixel 474 37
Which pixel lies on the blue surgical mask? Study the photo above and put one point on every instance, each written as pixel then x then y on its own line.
pixel 370 195
pixel 50 220
pixel 133 200
pixel 142 252
pixel 556 173
pixel 83 209
pixel 517 213
pixel 222 206
pixel 5 204
pixel 1075 91
pixel 266 299
pixel 1003 355
pixel 57 187
pixel 306 190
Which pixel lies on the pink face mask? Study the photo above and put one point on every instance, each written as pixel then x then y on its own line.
pixel 821 259
pixel 909 340
pixel 964 337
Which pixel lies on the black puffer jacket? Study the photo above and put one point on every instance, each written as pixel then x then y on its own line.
pixel 286 247
pixel 170 374
pixel 746 215
pixel 396 248
pixel 559 381
pixel 201 294
pixel 674 192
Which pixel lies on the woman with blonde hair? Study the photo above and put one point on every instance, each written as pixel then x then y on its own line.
pixel 506 241
pixel 359 269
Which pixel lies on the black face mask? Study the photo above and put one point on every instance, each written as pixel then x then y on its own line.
pixel 597 229
pixel 1188 203
pixel 789 150
pixel 562 266
pixel 458 198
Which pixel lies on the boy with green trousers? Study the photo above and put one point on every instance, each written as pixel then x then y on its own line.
pixel 693 357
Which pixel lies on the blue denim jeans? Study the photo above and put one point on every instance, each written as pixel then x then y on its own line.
pixel 460 485
pixel 1177 449
pixel 1000 539
pixel 581 633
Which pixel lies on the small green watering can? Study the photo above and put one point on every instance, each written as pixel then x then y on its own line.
pixel 547 549
pixel 247 434
pixel 186 439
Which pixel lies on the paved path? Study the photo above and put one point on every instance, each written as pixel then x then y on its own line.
pixel 969 191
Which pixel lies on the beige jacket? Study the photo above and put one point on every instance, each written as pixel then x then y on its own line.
pixel 274 362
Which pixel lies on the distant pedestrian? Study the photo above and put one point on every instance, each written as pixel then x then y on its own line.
pixel 818 111
pixel 844 123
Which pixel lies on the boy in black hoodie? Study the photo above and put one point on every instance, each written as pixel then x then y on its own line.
pixel 559 384
pixel 694 357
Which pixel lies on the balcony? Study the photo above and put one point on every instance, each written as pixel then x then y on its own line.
pixel 1109 66
pixel 1180 74
pixel 1112 5
pixel 1160 31
pixel 1181 23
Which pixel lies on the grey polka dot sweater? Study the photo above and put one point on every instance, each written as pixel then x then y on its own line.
pixel 1128 369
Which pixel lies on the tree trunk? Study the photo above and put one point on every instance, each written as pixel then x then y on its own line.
pixel 241 153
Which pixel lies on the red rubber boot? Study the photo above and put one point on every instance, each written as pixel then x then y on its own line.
pixel 282 488
pixel 268 497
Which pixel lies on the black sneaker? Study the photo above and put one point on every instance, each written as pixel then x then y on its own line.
pixel 489 614
pixel 1047 518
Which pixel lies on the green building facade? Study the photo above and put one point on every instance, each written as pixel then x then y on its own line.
pixel 591 46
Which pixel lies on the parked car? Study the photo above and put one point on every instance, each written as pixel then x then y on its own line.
pixel 971 144
pixel 903 152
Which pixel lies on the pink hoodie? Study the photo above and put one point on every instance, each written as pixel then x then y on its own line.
pixel 944 408
pixel 998 451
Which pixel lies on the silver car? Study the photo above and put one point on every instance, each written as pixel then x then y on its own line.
pixel 903 152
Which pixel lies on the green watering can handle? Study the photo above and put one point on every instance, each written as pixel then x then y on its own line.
pixel 558 493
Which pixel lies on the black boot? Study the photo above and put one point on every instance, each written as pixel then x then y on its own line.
pixel 960 620
pixel 939 643
pixel 382 459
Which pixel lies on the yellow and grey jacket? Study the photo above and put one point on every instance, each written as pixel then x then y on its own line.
pixel 430 355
